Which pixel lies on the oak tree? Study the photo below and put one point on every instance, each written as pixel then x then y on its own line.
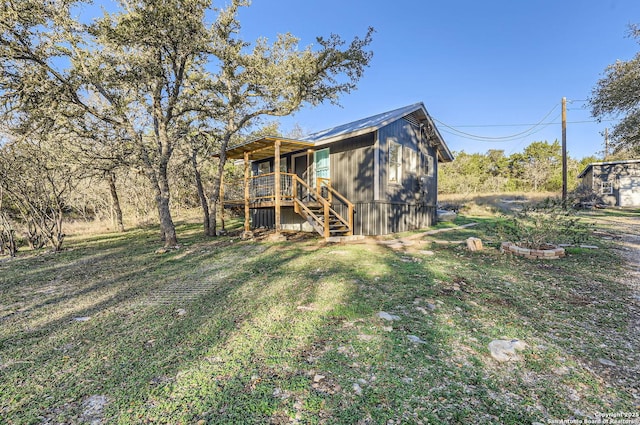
pixel 155 70
pixel 617 94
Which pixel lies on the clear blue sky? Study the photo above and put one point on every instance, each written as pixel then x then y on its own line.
pixel 490 64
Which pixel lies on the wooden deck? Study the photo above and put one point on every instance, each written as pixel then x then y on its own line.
pixel 277 189
pixel 314 204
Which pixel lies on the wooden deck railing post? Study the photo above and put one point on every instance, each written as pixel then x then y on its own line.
pixel 277 188
pixel 350 218
pixel 247 226
pixel 327 229
pixel 221 202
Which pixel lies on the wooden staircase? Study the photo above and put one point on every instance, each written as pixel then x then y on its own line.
pixel 315 216
pixel 314 205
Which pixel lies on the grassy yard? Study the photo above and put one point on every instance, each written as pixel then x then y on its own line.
pixel 226 331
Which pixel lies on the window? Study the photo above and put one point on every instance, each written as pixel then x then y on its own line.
pixel 395 161
pixel 606 188
pixel 264 168
pixel 283 164
pixel 321 159
pixel 413 161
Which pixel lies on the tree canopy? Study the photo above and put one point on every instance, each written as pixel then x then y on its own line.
pixel 156 73
pixel 617 94
pixel 536 168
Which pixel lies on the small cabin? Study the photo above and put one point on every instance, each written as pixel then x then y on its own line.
pixel 374 176
pixel 616 183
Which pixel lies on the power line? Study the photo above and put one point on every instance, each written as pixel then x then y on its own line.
pixel 522 125
pixel 527 132
pixel 534 128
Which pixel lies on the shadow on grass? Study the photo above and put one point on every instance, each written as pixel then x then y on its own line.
pixel 275 332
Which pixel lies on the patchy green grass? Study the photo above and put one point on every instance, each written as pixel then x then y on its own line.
pixel 229 331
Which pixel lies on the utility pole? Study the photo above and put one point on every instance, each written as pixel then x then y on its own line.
pixel 606 143
pixel 564 151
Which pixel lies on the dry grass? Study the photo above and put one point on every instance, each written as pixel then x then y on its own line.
pixel 488 204
pixel 229 331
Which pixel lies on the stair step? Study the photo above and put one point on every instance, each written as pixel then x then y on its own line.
pixel 337 227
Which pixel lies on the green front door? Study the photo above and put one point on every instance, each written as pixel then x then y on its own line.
pixel 321 162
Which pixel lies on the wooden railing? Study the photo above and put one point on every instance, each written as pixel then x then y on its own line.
pixel 261 189
pixel 322 183
pixel 299 188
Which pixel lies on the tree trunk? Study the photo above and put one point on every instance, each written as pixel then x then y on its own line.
pixel 57 237
pixel 167 228
pixel 115 202
pixel 215 193
pixel 201 195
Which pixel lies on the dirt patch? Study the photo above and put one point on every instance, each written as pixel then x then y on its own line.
pixel 627 239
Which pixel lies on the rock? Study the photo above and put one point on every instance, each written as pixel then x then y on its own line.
pixel 506 350
pixel 387 328
pixel 474 244
pixel 161 250
pixel 364 337
pixel 606 362
pixel 589 247
pixel 276 237
pixel 425 252
pixel 92 409
pixel 561 371
pixel 357 389
pixel 422 310
pixel 181 312
pixel 407 380
pixel 317 378
pixel 386 316
pixel 306 308
pixel 416 339
pixel 445 215
pixel 82 319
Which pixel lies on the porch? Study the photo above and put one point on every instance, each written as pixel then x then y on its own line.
pixel 314 201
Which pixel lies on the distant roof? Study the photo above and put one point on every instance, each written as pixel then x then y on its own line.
pixel 375 122
pixel 588 167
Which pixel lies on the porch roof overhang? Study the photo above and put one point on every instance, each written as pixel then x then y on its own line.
pixel 265 147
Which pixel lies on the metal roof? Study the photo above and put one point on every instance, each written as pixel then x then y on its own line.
pixel 264 147
pixel 375 122
pixel 586 170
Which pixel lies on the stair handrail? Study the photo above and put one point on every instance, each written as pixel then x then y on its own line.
pixel 320 181
pixel 326 205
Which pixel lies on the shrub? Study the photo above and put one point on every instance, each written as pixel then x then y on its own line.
pixel 543 225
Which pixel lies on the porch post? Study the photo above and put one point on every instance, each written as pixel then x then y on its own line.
pixel 222 201
pixel 311 167
pixel 247 226
pixel 276 165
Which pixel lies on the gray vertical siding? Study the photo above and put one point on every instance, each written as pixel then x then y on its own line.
pixel 611 173
pixel 351 162
pixel 413 145
pixel 381 218
pixel 407 206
